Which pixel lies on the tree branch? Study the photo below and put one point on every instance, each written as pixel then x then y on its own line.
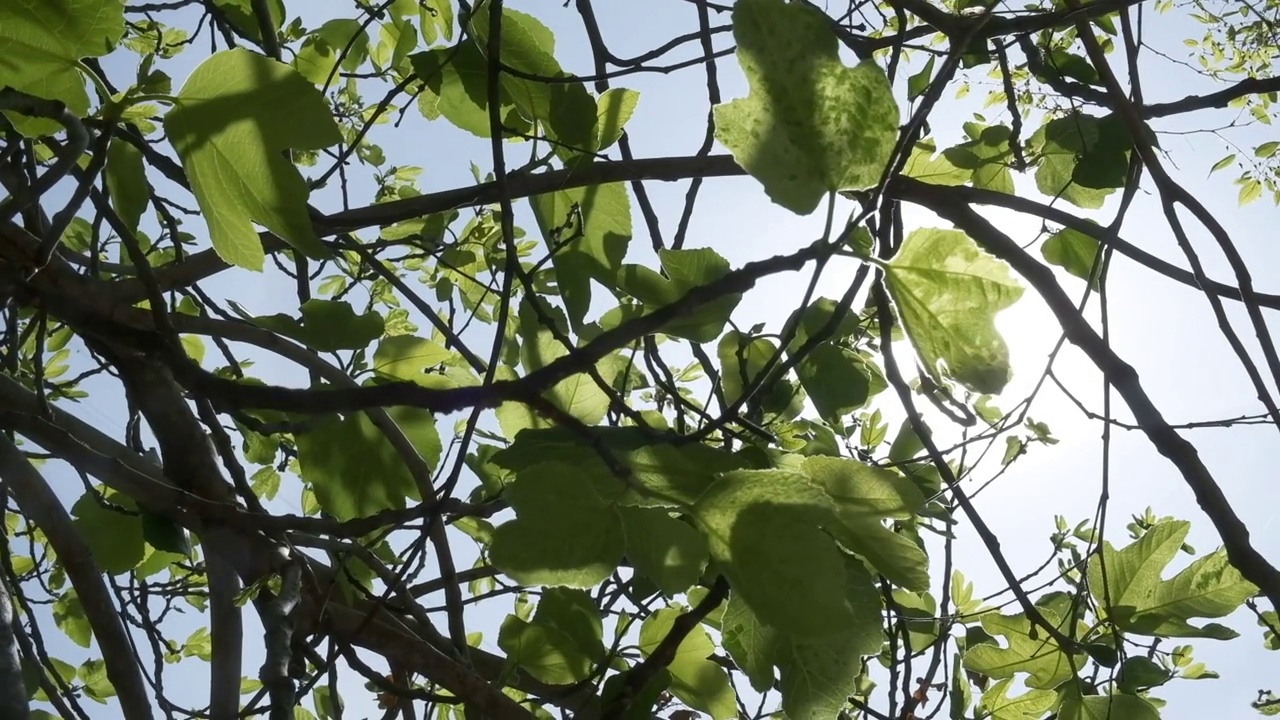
pixel 39 503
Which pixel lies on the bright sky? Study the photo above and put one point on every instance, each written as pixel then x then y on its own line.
pixel 1165 330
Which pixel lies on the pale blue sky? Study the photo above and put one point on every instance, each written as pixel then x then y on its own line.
pixel 1166 330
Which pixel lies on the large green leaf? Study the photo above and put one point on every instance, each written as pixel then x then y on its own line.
pixel 126 178
pixel 112 528
pixel 765 528
pixel 613 109
pixel 1074 252
pixel 563 534
pixel 42 42
pixel 234 118
pixel 1030 705
pixel 575 614
pixel 454 86
pixel 1140 601
pixel 1063 142
pixel 1123 579
pixel 1107 707
pixel 742 360
pixel 327 326
pixel 665 549
pixel 816 676
pixel 749 642
pixel 564 108
pixel 895 556
pixel 578 395
pixel 352 467
pixel 695 678
pixel 339 41
pixel 588 229
pixel 810 125
pixel 948 292
pixel 1028 650
pixel 837 379
pixel 405 357
pixel 662 474
pixel 68 615
pixel 546 652
pixel 987 156
pixel 685 270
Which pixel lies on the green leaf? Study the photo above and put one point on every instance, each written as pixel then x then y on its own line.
pixel 695 679
pixel 339 40
pixel 1139 673
pixel 578 395
pixel 685 270
pixel 1141 602
pixel 545 652
pixel 405 357
pixel 668 551
pixel 437 14
pixel 353 468
pixel 1123 580
pixel 1250 190
pixel 235 116
pixel 114 538
pixel 68 615
pixel 163 533
pixel 1031 705
pixel 327 326
pixel 1223 163
pixel 1107 707
pixel 564 533
pixel 919 82
pixel 860 489
pixel 925 166
pixel 1027 651
pixel 1267 149
pixel 1073 251
pixel 613 109
pixel 589 230
pixel 41 44
pixel 126 179
pixel 987 157
pixel 765 528
pixel 454 86
pixel 810 125
pixel 947 292
pixel 662 475
pixel 749 642
pixel 838 381
pixel 742 360
pixel 817 676
pixel 575 614
pixel 565 109
pixel 1062 142
pixel 199 644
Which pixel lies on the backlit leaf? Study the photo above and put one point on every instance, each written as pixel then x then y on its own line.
pixel 695 678
pixel 236 114
pixel 947 292
pixel 353 468
pixel 41 42
pixel 563 534
pixel 810 125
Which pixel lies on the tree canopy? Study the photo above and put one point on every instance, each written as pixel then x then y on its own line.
pixel 605 360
